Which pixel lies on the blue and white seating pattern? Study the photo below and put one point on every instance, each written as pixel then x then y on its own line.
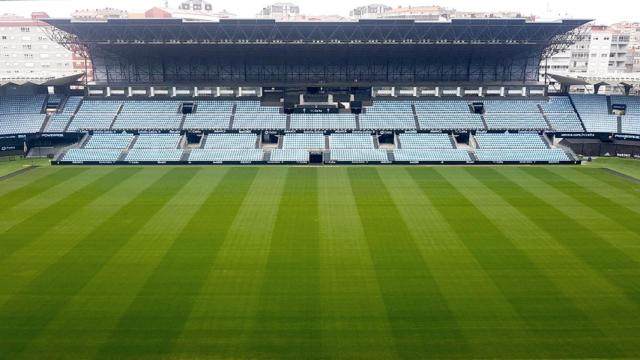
pixel 565 122
pixel 590 104
pixel 557 105
pixel 144 121
pixel 304 141
pixel 21 123
pixel 92 155
pixel 425 141
pixel 252 107
pixel 109 141
pixel 207 106
pixel 207 121
pixel 511 107
pixel 389 107
pixel 631 124
pixel 632 103
pixel 323 122
pixel 159 106
pixel 261 121
pixel 91 121
pixel 351 141
pixel 231 141
pixel 442 106
pixel 289 155
pixel 431 155
pixel 529 121
pixel 227 155
pixel 72 104
pixel 387 121
pixel 154 155
pixel 454 121
pixel 100 106
pixel 157 141
pixel 57 123
pixel 22 104
pixel 522 155
pixel 510 141
pixel 359 155
pixel 600 122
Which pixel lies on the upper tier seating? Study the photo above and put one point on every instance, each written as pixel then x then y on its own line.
pixel 160 106
pixel 442 106
pixel 510 141
pixel 157 141
pixel 207 106
pixel 154 155
pixel 100 106
pixel 323 122
pixel 590 104
pixel 91 121
pixel 109 141
pixel 251 107
pixel 227 155
pixel 522 155
pixel 289 155
pixel 425 141
pixel 431 155
pixel 93 155
pixel 600 122
pixel 72 104
pixel 145 121
pixel 454 121
pixel 565 122
pixel 21 123
pixel 351 141
pixel 231 141
pixel 511 107
pixel 207 121
pixel 359 155
pixel 260 121
pixel 556 105
pixel 387 121
pixel 389 107
pixel 58 123
pixel 632 102
pixel 22 104
pixel 304 141
pixel 530 121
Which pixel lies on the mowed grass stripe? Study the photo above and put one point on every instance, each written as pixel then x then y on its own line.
pixel 156 317
pixel 599 254
pixel 496 331
pixel 421 320
pixel 220 322
pixel 548 313
pixel 86 321
pixel 287 322
pixel 617 181
pixel 31 228
pixel 354 316
pixel 591 292
pixel 25 315
pixel 34 188
pixel 599 199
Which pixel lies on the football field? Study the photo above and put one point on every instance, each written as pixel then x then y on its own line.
pixel 317 263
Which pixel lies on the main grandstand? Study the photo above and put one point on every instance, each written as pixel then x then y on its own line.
pixel 293 86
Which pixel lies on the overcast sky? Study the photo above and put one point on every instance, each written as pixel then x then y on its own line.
pixel 603 11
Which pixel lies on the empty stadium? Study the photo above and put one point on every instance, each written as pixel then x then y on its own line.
pixel 299 190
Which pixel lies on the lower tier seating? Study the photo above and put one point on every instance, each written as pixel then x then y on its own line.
pixel 304 141
pixel 203 121
pixel 91 121
pixel 516 121
pixel 231 141
pixel 510 141
pixel 57 123
pixel 359 155
pixel 289 155
pixel 387 122
pixel 431 155
pixel 323 122
pixel 154 155
pixel 227 155
pixel 522 155
pixel 92 155
pixel 157 141
pixel 260 121
pixel 351 141
pixel 425 141
pixel 450 121
pixel 109 141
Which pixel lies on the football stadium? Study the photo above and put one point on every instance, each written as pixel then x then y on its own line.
pixel 372 189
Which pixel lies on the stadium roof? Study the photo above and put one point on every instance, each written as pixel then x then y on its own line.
pixel 464 31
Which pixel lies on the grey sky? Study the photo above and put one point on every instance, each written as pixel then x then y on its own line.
pixel 603 11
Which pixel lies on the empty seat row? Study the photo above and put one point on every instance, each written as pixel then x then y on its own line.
pixel 454 121
pixel 231 141
pixel 600 122
pixel 425 141
pixel 631 124
pixel 157 141
pixel 510 141
pixel 390 107
pixel 431 155
pixel 91 121
pixel 156 106
pixel 154 155
pixel 442 106
pixel 58 123
pixel 100 106
pixel 289 155
pixel 565 122
pixel 109 141
pixel 21 123
pixel 207 121
pixel 22 104
pixel 72 104
pixel 92 155
pixel 516 121
pixel 261 121
pixel 590 104
pixel 146 121
pixel 226 155
pixel 387 121
pixel 351 141
pixel 511 106
pixel 304 141
pixel 632 103
pixel 359 155
pixel 323 121
pixel 522 155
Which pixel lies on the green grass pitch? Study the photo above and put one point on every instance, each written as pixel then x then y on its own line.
pixel 317 263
